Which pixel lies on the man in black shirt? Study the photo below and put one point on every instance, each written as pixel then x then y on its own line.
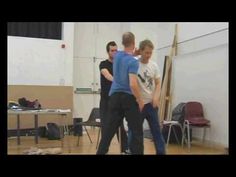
pixel 106 81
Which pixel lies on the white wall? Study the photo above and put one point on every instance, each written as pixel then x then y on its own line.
pixel 68 40
pixel 90 49
pixel 203 76
pixel 192 30
pixel 192 37
pixel 200 71
pixel 35 61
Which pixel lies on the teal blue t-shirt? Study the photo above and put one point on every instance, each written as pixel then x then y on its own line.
pixel 123 64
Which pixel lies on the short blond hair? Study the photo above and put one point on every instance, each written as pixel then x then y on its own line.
pixel 146 43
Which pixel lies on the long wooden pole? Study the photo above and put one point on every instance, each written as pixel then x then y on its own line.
pixel 169 92
pixel 166 91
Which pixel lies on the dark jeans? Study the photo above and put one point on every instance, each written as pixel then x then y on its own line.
pixel 152 118
pixel 104 117
pixel 122 105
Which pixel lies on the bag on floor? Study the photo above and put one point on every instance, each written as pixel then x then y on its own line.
pixel 53 131
pixel 43 132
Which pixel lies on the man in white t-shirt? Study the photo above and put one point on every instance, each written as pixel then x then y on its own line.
pixel 150 87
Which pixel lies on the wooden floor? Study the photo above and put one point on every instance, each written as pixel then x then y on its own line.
pixel 85 147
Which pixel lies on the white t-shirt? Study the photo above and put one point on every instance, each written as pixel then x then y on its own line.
pixel 147 73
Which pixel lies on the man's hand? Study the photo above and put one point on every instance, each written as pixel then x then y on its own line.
pixel 136 52
pixel 140 104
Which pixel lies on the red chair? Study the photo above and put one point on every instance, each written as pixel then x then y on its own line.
pixel 194 118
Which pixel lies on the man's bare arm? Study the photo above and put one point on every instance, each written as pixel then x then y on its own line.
pixel 107 74
pixel 156 95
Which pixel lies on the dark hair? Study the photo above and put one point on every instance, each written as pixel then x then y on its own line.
pixel 111 43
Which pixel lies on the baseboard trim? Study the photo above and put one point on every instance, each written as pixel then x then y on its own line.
pixel 212 144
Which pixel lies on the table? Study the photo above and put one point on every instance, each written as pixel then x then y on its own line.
pixel 36 113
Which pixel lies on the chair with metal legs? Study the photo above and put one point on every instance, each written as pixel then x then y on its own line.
pixel 194 118
pixel 93 122
pixel 171 125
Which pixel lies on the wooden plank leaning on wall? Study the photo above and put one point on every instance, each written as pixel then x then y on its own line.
pixel 166 91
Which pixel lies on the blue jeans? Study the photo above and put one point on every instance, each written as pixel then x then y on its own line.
pixel 152 118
